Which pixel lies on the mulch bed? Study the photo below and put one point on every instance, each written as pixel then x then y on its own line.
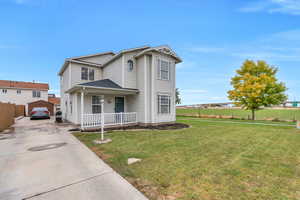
pixel 173 126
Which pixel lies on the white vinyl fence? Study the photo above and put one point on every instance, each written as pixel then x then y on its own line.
pixel 109 119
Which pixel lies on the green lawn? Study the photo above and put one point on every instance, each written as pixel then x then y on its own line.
pixel 282 114
pixel 210 160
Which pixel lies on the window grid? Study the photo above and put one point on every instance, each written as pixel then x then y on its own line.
pixel 96 104
pixel 84 73
pixel 164 104
pixel 163 70
pixel 36 93
pixel 87 74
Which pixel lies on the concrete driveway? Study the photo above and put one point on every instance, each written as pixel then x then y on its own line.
pixel 40 160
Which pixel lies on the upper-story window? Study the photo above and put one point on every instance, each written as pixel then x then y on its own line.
pixel 36 93
pixel 163 70
pixel 91 74
pixel 18 91
pixel 130 65
pixel 87 74
pixel 4 91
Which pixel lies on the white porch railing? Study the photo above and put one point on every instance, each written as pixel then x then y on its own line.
pixel 109 119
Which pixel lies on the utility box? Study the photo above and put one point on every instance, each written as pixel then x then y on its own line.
pixel 298 124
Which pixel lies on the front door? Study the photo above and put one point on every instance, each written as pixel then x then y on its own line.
pixel 119 104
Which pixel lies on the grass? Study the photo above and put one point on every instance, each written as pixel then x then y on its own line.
pixel 282 114
pixel 210 160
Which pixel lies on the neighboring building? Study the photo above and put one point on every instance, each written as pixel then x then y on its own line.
pixel 22 93
pixel 139 80
pixel 55 101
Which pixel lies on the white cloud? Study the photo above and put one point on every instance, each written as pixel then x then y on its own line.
pixel 291 7
pixel 281 46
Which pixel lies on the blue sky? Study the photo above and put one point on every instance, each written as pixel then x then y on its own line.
pixel 213 37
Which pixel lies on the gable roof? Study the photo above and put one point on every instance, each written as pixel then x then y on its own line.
pixel 67 61
pixel 165 49
pixel 124 51
pixel 144 50
pixel 93 55
pixel 23 85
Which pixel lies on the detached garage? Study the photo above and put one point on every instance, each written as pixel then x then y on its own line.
pixel 41 103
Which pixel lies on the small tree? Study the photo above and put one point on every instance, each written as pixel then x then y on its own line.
pixel 255 86
pixel 178 99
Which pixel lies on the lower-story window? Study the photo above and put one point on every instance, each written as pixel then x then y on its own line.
pixel 164 104
pixel 96 104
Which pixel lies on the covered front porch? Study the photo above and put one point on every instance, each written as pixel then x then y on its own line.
pixel 96 106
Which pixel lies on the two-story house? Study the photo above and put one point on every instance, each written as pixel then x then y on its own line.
pixel 22 93
pixel 138 82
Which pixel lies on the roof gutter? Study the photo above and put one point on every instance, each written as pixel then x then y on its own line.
pixel 102 88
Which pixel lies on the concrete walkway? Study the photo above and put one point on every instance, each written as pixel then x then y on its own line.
pixel 40 160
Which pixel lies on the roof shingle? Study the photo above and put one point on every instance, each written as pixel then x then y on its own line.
pixel 23 85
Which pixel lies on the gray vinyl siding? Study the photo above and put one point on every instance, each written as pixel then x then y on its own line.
pixel 164 87
pixel 130 77
pixel 113 71
pixel 76 74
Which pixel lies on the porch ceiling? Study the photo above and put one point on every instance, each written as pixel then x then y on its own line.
pixel 100 90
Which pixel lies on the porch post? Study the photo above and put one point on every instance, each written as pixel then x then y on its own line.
pixel 102 118
pixel 82 108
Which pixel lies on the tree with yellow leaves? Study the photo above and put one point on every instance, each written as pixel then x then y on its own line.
pixel 255 86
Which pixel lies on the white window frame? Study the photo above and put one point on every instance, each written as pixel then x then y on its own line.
pixel 89 73
pixel 96 104
pixel 19 91
pixel 36 93
pixel 160 69
pixel 159 103
pixel 88 76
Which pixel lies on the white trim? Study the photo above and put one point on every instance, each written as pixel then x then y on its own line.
pixel 145 88
pixel 159 60
pixel 123 71
pixel 102 88
pixel 122 52
pixel 82 107
pixel 159 103
pixel 70 75
pixel 93 55
pixel 153 79
pixel 76 108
